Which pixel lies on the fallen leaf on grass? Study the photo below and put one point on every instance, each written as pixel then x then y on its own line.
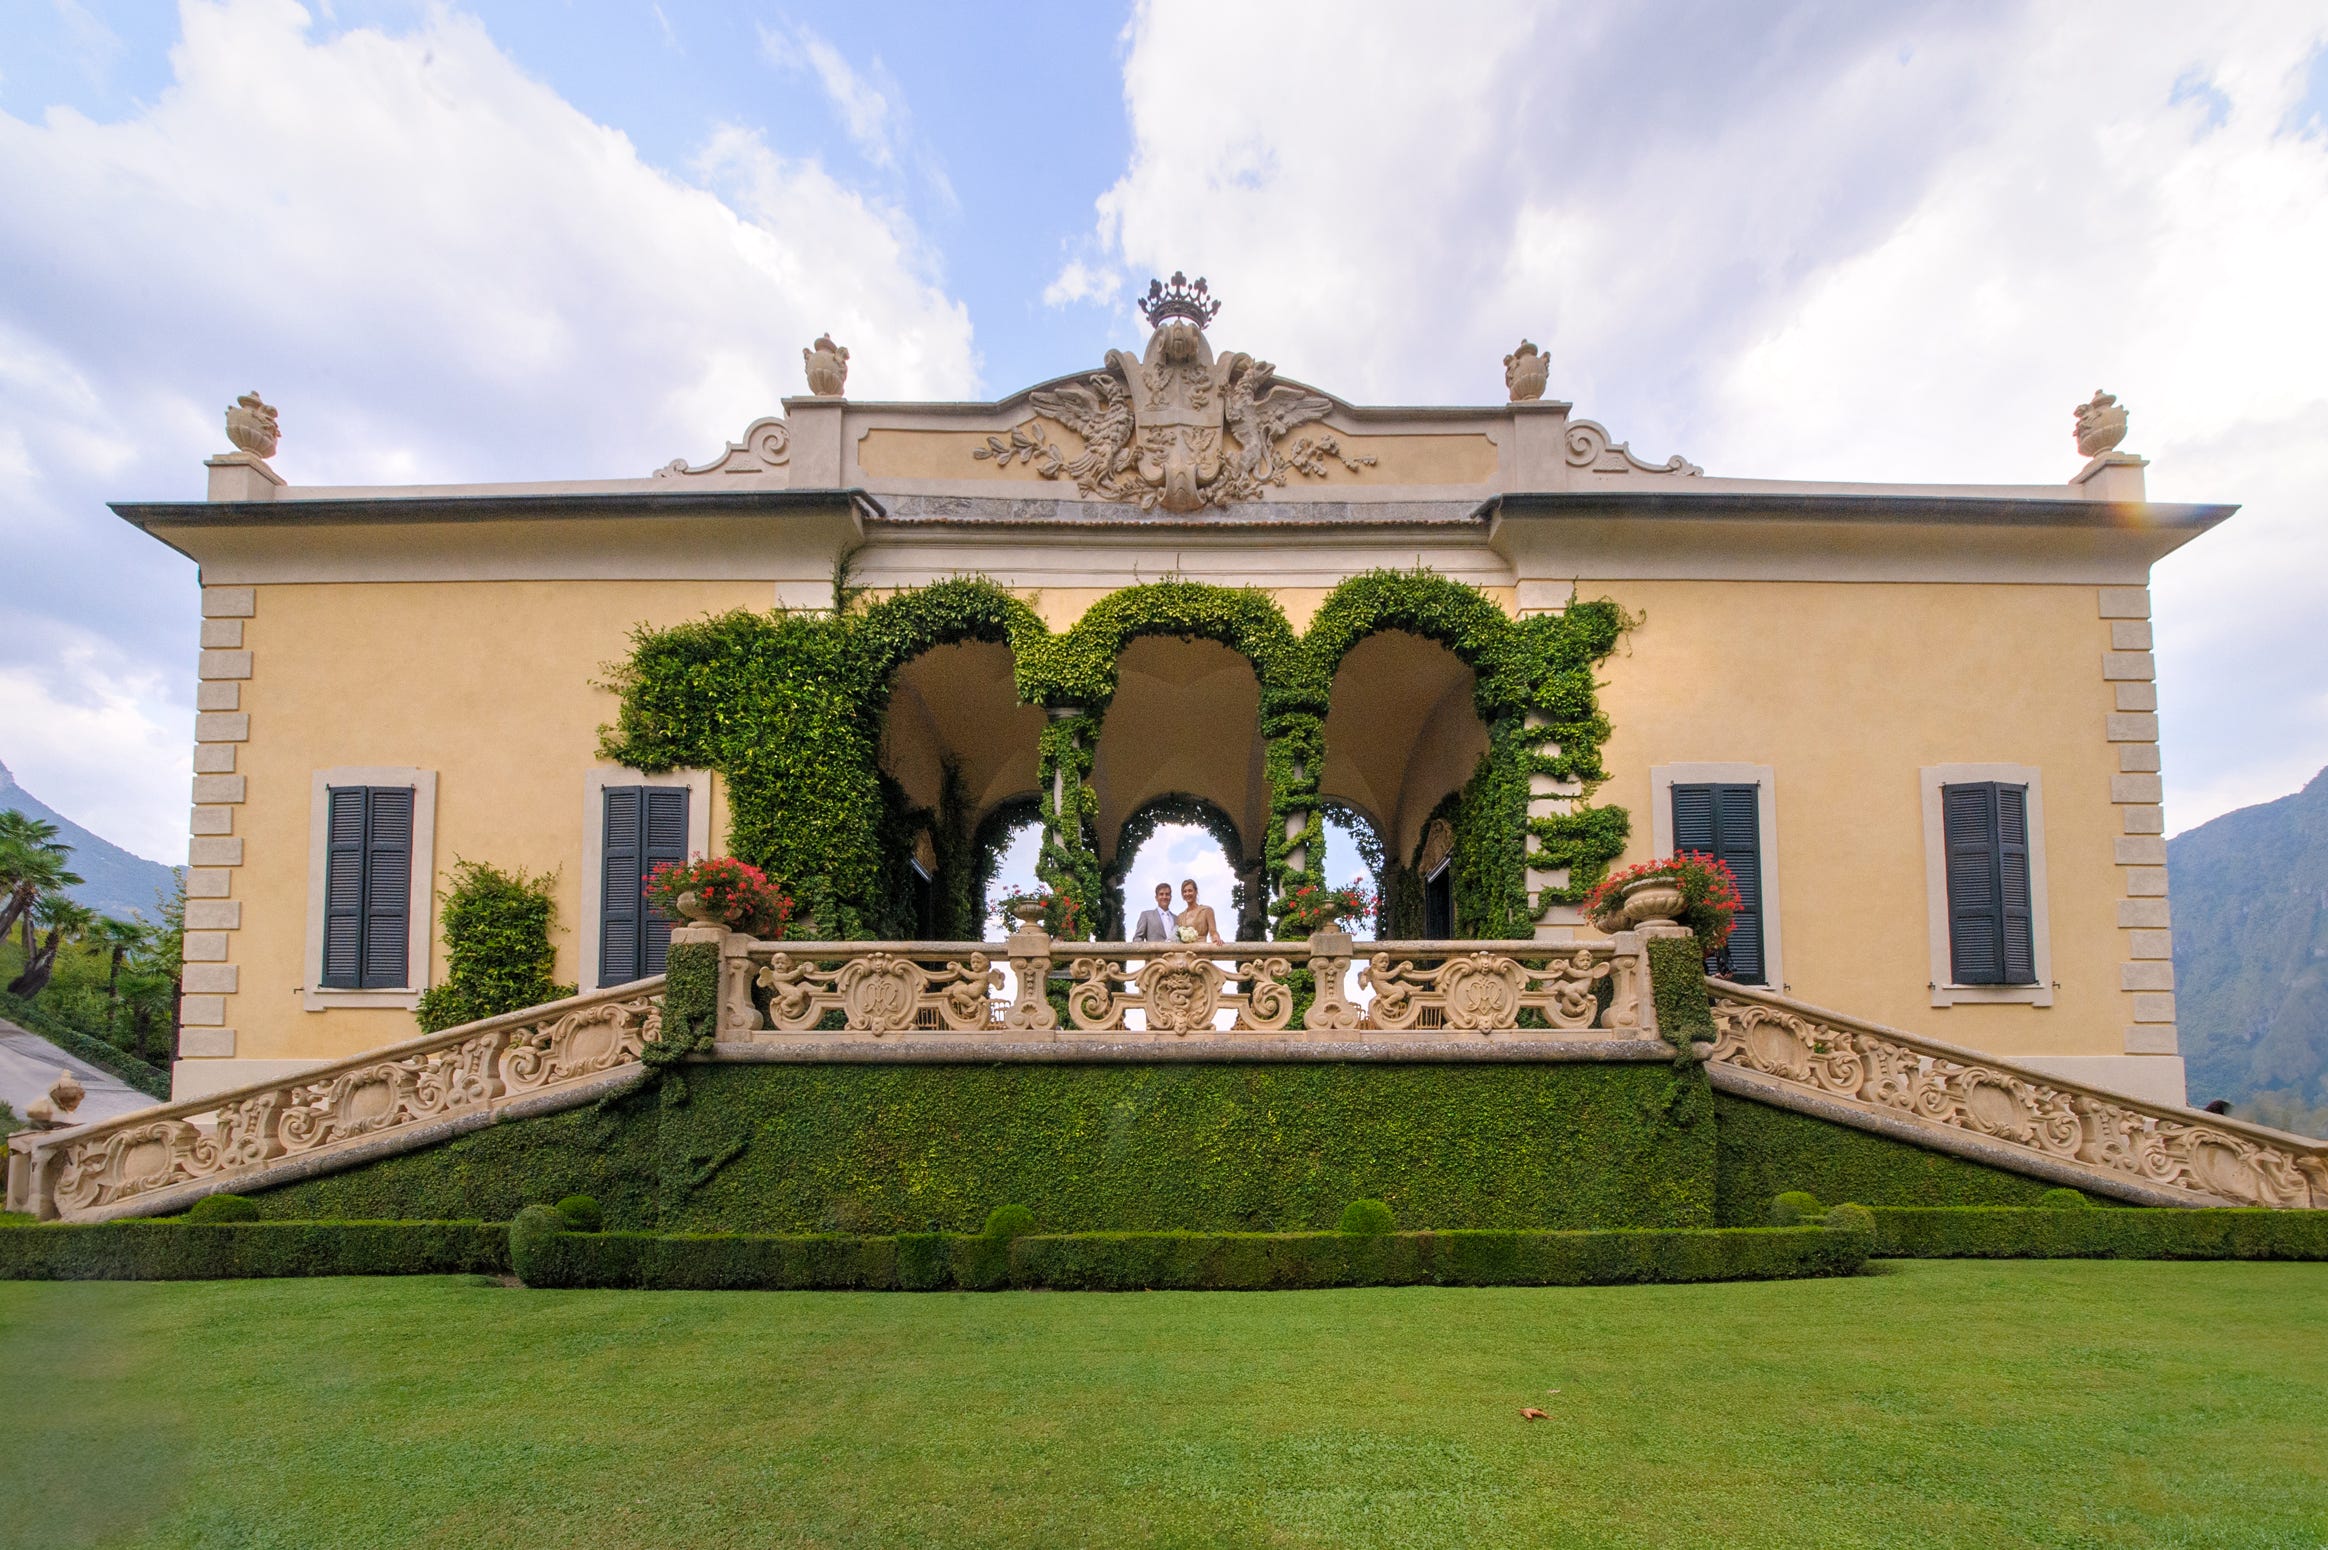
pixel 1532 1415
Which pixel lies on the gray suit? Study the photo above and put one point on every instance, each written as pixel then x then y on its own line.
pixel 1154 926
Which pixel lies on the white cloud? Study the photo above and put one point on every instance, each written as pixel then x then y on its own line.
pixel 436 267
pixel 104 741
pixel 1814 242
pixel 868 102
pixel 1078 281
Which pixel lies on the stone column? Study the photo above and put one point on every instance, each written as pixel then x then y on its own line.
pixel 1548 798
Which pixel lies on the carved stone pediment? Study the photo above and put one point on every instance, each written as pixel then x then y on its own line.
pixel 1176 427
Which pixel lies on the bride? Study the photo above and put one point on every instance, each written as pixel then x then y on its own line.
pixel 1195 920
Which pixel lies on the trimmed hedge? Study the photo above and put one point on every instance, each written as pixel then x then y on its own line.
pixel 178 1250
pixel 1765 1151
pixel 2051 1232
pixel 1097 1148
pixel 1177 1261
pixel 150 1080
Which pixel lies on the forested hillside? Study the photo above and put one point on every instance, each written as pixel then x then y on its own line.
pixel 2251 958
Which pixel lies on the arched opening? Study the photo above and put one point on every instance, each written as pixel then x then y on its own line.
pixel 1176 839
pixel 1185 723
pixel 958 753
pixel 1403 736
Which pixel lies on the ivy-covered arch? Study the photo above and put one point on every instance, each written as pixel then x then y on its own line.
pixel 789 707
pixel 1073 675
pixel 1533 688
pixel 1182 808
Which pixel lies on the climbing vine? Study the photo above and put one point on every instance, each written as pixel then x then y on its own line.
pixel 790 707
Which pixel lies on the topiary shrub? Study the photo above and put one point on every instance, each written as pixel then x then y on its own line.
pixel 223 1208
pixel 1008 1222
pixel 1793 1208
pixel 1369 1218
pixel 1848 1217
pixel 497 938
pixel 531 1233
pixel 581 1214
pixel 2063 1199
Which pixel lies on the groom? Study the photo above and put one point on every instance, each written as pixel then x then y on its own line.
pixel 1157 925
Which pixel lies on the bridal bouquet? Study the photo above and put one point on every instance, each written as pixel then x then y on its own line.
pixel 1186 933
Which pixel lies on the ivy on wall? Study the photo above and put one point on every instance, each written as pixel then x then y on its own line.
pixel 790 707
pixel 497 943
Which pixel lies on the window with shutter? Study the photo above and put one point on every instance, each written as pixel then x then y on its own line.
pixel 1985 827
pixel 1724 821
pixel 367 887
pixel 645 826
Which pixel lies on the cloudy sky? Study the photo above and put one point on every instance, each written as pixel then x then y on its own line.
pixel 547 240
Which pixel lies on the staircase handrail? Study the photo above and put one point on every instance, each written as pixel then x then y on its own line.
pixel 2203 1158
pixel 475 1069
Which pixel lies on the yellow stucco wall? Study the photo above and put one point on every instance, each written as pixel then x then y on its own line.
pixel 490 684
pixel 1846 691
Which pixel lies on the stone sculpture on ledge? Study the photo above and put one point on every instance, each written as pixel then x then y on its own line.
pixel 252 427
pixel 828 367
pixel 1526 370
pixel 2101 424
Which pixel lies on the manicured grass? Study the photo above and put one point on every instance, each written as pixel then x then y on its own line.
pixel 1961 1403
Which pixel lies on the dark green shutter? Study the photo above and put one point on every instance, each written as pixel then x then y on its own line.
pixel 1985 828
pixel 619 905
pixel 343 888
pixel 367 888
pixel 666 828
pixel 1725 822
pixel 388 888
pixel 645 826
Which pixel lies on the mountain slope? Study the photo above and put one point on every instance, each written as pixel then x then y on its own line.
pixel 118 883
pixel 2251 957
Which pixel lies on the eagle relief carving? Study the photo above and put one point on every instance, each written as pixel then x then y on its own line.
pixel 1176 427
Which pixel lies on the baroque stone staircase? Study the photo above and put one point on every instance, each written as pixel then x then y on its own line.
pixel 945 1001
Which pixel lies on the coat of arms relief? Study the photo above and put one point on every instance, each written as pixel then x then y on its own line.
pixel 1176 427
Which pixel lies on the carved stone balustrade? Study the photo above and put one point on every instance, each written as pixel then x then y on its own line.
pixel 1173 990
pixel 168 1156
pixel 1821 1062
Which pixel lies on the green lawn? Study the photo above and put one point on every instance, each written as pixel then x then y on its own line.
pixel 1934 1403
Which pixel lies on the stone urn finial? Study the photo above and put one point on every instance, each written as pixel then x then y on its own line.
pixel 2101 424
pixel 828 367
pixel 66 1092
pixel 1525 372
pixel 252 427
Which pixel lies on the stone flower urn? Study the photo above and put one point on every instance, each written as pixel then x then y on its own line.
pixel 828 367
pixel 252 427
pixel 1650 899
pixel 2101 424
pixel 1526 370
pixel 693 907
pixel 1029 914
pixel 67 1092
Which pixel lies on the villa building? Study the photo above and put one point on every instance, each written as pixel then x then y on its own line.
pixel 1917 721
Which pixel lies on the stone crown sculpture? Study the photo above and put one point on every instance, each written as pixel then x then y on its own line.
pixel 1179 300
pixel 828 367
pixel 1526 370
pixel 2101 424
pixel 252 427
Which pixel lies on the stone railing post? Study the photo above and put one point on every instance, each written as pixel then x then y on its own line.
pixel 1330 1007
pixel 738 1017
pixel 1632 1009
pixel 1029 951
